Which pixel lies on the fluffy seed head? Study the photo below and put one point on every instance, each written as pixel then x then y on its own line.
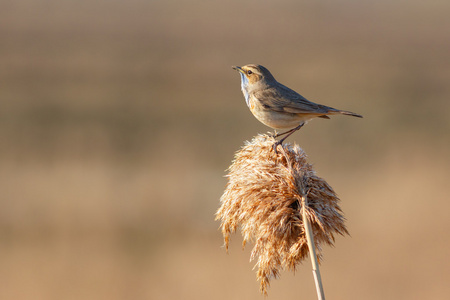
pixel 263 199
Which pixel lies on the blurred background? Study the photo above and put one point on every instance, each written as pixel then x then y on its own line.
pixel 118 120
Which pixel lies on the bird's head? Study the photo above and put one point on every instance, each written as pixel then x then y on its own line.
pixel 254 74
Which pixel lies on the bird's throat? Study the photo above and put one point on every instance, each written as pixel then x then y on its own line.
pixel 244 84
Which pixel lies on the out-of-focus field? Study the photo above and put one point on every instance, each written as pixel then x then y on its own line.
pixel 118 119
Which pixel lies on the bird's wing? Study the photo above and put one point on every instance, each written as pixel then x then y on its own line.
pixel 283 99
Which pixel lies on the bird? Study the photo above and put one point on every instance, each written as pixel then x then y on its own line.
pixel 277 106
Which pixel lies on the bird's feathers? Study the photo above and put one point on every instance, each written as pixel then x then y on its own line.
pixel 282 99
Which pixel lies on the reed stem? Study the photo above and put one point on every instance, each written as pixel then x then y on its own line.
pixel 312 250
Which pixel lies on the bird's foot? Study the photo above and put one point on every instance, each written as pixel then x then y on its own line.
pixel 276 144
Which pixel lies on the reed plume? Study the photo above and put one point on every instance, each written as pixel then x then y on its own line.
pixel 263 198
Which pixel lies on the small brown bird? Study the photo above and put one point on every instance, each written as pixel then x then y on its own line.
pixel 276 105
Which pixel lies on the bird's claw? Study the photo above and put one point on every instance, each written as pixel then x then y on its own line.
pixel 275 146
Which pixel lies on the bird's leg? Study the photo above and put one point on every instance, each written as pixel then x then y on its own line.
pixel 283 133
pixel 288 133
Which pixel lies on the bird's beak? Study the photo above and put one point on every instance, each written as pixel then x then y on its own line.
pixel 239 69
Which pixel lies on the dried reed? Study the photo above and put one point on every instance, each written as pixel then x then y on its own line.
pixel 264 197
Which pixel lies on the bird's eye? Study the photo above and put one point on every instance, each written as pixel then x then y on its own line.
pixel 249 72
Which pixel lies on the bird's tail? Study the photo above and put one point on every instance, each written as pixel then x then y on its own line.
pixel 349 113
pixel 333 111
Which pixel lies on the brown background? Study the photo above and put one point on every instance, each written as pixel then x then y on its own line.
pixel 118 119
